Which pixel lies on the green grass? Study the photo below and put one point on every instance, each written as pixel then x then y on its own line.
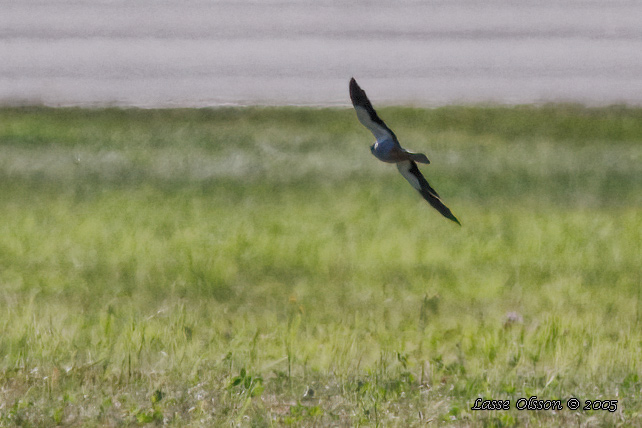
pixel 258 266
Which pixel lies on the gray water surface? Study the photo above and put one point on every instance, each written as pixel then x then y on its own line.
pixel 200 53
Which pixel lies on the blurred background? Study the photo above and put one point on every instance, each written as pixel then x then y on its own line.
pixel 206 53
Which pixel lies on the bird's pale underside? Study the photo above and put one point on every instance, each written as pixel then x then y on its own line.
pixel 387 149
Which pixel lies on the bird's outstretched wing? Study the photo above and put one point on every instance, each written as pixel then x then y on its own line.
pixel 367 114
pixel 369 118
pixel 411 172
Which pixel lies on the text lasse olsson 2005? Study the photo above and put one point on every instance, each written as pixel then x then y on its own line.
pixel 533 403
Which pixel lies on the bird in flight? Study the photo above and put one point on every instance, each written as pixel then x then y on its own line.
pixel 387 149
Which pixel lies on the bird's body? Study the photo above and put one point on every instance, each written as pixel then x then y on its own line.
pixel 387 149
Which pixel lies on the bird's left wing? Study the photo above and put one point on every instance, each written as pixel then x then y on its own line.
pixel 367 114
pixel 411 172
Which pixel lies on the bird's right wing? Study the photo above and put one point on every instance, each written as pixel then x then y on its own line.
pixel 411 172
pixel 367 114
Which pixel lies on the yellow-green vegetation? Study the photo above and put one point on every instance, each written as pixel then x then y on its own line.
pixel 258 266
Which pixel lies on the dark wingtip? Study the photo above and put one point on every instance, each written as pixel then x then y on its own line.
pixel 437 204
pixel 445 211
pixel 358 95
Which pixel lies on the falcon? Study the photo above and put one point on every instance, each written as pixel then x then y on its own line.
pixel 387 149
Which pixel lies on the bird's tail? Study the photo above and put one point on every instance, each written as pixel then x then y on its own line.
pixel 419 157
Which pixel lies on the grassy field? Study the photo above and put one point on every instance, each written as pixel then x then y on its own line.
pixel 259 267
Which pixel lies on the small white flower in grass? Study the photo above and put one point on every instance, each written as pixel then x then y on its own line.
pixel 513 318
